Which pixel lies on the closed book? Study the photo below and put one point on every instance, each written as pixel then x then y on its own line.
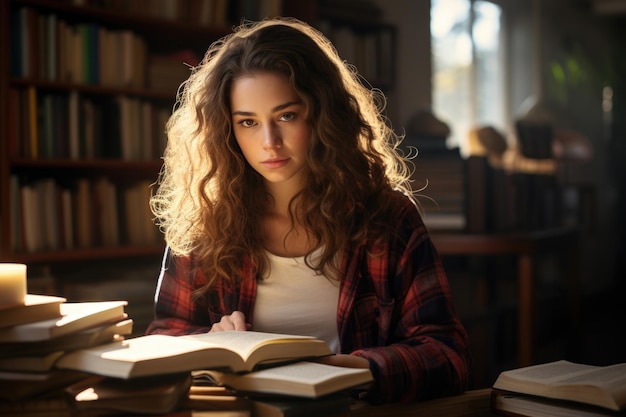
pixel 74 318
pixel 35 308
pixel 93 336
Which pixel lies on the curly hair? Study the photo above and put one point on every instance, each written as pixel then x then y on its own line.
pixel 210 202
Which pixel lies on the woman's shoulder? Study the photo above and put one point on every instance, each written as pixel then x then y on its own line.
pixel 402 212
pixel 402 204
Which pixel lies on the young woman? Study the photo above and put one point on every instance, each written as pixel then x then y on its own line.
pixel 286 209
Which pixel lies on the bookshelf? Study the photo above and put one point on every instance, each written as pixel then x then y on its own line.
pixel 83 82
pixel 84 98
pixel 362 38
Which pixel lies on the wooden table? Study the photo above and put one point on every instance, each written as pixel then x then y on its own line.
pixel 526 246
pixel 469 404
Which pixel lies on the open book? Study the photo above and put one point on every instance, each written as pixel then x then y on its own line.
pixel 160 354
pixel 603 386
pixel 302 379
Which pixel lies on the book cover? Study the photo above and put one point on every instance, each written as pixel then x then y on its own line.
pixel 36 308
pixel 161 354
pixel 74 317
pixel 301 379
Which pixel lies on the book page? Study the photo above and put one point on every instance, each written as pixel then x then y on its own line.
pixel 305 379
pixel 310 372
pixel 243 343
pixel 146 348
pixel 551 372
pixel 613 376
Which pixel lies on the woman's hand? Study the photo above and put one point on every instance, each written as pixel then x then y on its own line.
pixel 347 361
pixel 235 321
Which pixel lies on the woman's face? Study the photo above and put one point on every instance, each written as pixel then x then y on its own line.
pixel 271 127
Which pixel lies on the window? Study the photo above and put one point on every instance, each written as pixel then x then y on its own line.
pixel 468 84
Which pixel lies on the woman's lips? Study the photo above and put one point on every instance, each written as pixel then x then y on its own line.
pixel 275 163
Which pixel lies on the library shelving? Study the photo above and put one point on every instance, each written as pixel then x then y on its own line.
pixel 85 92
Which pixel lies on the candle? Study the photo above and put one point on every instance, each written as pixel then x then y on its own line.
pixel 12 284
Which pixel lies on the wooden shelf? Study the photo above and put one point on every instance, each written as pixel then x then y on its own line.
pixel 93 89
pixel 153 28
pixel 100 253
pixel 95 164
pixel 114 169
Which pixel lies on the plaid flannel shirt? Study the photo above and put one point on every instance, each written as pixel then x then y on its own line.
pixel 395 309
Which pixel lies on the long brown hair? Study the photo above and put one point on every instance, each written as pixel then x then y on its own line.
pixel 210 202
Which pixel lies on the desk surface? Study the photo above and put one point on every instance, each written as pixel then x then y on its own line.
pixel 474 403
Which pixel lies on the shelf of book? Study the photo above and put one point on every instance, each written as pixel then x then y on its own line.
pixel 93 89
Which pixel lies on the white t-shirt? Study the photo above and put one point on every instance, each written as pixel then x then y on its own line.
pixel 293 299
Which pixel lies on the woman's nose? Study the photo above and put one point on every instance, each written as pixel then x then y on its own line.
pixel 271 137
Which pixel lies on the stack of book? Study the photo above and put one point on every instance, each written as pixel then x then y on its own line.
pixel 561 388
pixel 35 334
pixel 73 358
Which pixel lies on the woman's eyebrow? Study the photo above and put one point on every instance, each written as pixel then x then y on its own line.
pixel 274 110
pixel 288 104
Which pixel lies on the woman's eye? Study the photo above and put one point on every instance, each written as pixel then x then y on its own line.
pixel 287 117
pixel 246 123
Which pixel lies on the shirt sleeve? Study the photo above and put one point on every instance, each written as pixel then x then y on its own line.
pixel 422 346
pixel 174 312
